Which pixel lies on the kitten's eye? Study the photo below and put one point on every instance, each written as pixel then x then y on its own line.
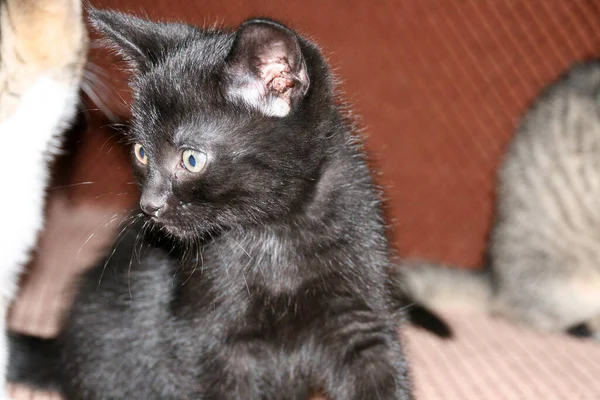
pixel 140 153
pixel 193 161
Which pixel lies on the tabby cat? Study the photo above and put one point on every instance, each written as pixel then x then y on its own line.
pixel 544 251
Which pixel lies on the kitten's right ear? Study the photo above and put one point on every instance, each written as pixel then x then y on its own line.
pixel 140 42
pixel 266 68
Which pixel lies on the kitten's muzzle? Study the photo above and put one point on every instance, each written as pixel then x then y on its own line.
pixel 152 207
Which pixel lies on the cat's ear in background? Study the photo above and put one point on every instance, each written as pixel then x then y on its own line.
pixel 266 68
pixel 140 42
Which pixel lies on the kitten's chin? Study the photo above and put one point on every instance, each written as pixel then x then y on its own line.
pixel 174 230
pixel 188 230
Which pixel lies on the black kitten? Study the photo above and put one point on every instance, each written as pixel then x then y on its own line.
pixel 263 272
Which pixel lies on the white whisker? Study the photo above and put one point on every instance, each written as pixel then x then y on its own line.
pixel 71 185
pixel 89 91
pixel 120 237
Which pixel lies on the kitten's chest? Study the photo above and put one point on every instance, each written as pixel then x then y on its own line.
pixel 267 297
pixel 268 263
pixel 269 287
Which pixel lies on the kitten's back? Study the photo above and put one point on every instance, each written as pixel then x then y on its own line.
pixel 549 184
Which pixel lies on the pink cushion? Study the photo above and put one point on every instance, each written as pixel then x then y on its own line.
pixel 493 359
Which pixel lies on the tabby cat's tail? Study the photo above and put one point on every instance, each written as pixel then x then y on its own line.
pixel 34 362
pixel 438 287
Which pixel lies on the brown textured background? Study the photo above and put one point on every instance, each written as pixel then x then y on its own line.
pixel 438 84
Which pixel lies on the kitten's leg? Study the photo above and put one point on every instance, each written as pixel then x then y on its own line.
pixel 370 361
pixel 254 370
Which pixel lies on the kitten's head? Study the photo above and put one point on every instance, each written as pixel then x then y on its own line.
pixel 228 127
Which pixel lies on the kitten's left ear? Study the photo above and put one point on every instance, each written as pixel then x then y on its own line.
pixel 266 69
pixel 142 43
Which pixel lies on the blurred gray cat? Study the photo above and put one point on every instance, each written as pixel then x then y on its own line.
pixel 543 266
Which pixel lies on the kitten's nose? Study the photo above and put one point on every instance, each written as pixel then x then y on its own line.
pixel 150 208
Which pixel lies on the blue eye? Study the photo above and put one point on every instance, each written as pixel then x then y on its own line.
pixel 193 160
pixel 140 153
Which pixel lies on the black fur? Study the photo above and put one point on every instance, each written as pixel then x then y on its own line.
pixel 422 317
pixel 580 331
pixel 34 361
pixel 264 275
pixel 417 314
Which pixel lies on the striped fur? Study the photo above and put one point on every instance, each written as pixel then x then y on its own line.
pixel 544 253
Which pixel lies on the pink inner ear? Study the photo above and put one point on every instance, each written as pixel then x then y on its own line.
pixel 275 73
